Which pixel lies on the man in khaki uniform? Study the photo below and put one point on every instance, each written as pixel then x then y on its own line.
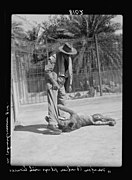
pixel 58 70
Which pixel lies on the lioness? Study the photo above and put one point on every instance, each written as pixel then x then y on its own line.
pixel 77 121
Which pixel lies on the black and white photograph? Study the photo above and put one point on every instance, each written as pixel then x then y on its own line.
pixel 66 90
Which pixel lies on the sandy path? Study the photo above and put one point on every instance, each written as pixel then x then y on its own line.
pixel 88 146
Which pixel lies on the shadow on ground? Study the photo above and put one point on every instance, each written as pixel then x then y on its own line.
pixel 37 128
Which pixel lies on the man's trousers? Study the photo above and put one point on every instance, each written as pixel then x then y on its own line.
pixel 55 97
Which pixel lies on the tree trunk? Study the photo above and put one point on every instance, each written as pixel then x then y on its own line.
pixel 90 74
pixel 91 69
pixel 85 65
pixel 98 61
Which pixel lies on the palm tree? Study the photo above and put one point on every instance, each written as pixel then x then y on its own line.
pixel 111 51
pixel 17 33
pixel 17 30
pixel 85 27
pixel 19 38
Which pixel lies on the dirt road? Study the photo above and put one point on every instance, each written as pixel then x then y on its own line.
pixel 89 146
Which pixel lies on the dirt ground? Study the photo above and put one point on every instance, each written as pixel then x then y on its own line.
pixel 34 145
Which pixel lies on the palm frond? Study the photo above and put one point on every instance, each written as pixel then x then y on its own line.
pixel 113 57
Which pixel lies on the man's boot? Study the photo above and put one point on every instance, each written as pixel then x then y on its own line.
pixel 53 127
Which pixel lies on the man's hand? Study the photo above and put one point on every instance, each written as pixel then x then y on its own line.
pixel 56 86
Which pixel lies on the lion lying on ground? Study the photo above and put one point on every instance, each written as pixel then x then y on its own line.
pixel 77 121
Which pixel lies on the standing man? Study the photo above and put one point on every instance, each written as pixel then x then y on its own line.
pixel 58 77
